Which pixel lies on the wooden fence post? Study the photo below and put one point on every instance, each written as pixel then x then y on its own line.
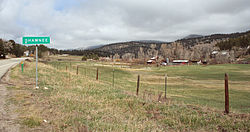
pixel 76 70
pixel 113 77
pixel 138 85
pixel 226 95
pixel 165 86
pixel 97 74
pixel 85 72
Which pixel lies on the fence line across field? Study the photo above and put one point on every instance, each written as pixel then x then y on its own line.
pixel 140 81
pixel 96 72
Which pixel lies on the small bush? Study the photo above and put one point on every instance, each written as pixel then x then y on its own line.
pixel 84 58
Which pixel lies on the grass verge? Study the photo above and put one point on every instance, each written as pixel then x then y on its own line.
pixel 69 102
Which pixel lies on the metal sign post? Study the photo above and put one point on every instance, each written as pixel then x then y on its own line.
pixel 36 41
pixel 36 66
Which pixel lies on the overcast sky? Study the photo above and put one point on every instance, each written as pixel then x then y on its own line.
pixel 82 23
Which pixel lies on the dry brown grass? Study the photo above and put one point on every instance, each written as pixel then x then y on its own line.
pixel 79 103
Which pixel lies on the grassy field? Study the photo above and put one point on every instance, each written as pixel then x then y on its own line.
pixel 71 102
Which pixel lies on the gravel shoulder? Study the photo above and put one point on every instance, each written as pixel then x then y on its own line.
pixel 7 111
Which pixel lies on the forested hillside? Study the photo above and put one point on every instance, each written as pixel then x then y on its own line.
pixel 197 48
pixel 240 42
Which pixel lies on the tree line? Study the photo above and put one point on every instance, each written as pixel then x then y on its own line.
pixel 85 52
pixel 13 48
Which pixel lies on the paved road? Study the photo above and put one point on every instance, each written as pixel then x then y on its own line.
pixel 8 63
pixel 7 116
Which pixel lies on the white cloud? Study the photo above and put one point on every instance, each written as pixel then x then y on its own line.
pixel 81 23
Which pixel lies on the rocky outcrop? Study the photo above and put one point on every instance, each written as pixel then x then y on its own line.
pixel 116 56
pixel 196 49
pixel 128 56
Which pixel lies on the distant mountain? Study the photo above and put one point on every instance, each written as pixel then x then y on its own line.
pixel 193 47
pixel 192 36
pixel 150 41
pixel 93 47
pixel 137 41
pixel 131 47
pixel 89 47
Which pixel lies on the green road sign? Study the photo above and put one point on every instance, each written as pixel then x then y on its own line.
pixel 36 40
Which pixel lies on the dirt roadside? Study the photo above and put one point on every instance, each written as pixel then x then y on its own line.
pixel 8 122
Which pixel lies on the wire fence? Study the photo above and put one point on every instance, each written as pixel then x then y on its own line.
pixel 153 86
pixel 116 77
